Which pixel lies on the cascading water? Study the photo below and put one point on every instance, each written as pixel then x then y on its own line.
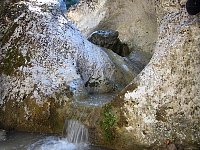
pixel 75 138
pixel 75 132
pixel 2 135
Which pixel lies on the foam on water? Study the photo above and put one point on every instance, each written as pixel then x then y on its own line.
pixel 56 143
pixel 2 135
pixel 35 141
pixel 76 132
pixel 76 138
pixel 96 99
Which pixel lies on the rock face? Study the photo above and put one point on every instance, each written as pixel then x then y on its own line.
pixel 45 62
pixel 163 102
pixel 134 19
pixel 109 39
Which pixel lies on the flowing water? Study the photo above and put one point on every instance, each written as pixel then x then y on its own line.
pixel 35 141
pixel 75 137
pixel 96 99
pixel 75 132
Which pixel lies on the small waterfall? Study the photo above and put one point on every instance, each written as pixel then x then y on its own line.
pixel 75 138
pixel 2 135
pixel 75 132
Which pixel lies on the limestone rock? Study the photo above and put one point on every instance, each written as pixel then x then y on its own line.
pixel 45 63
pixel 135 20
pixel 109 39
pixel 163 102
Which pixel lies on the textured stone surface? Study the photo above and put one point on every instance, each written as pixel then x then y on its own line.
pixel 45 62
pixel 134 19
pixel 163 102
pixel 109 39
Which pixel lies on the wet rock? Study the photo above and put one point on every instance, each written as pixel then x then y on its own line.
pixel 139 59
pixel 109 39
pixel 69 3
pixel 2 135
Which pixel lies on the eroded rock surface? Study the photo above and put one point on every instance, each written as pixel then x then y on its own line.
pixel 163 102
pixel 134 19
pixel 45 62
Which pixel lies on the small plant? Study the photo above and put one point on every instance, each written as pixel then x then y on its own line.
pixel 108 122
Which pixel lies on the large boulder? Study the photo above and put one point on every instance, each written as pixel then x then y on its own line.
pixel 45 63
pixel 163 102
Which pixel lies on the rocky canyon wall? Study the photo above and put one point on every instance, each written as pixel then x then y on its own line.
pixel 163 101
pixel 134 19
pixel 45 63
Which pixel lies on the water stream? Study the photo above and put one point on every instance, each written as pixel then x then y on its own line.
pixel 75 134
pixel 36 141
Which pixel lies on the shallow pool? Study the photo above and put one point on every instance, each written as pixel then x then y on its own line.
pixel 35 141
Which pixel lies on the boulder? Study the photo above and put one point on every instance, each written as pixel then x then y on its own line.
pixel 109 39
pixel 163 100
pixel 46 65
pixel 135 20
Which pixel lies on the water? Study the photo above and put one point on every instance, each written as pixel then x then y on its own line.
pixel 75 132
pixel 2 135
pixel 96 99
pixel 75 137
pixel 20 140
pixel 56 143
pixel 36 141
pixel 69 3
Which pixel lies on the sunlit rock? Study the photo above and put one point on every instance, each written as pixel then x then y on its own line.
pixel 134 19
pixel 45 62
pixel 163 101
